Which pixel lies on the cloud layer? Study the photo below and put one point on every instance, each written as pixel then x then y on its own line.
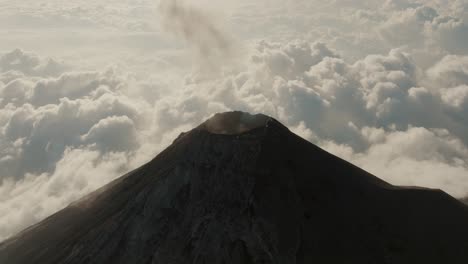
pixel 383 84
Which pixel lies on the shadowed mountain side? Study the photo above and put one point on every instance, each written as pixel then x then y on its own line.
pixel 464 200
pixel 262 196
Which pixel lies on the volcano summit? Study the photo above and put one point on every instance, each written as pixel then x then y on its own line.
pixel 242 188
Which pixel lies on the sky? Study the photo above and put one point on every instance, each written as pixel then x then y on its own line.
pixel 92 89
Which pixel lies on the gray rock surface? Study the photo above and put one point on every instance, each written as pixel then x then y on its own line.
pixel 259 194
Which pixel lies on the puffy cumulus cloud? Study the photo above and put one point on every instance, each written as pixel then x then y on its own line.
pixel 34 197
pixel 430 29
pixel 43 133
pixel 451 33
pixel 408 26
pixel 113 134
pixel 413 157
pixel 288 61
pixel 62 136
pixel 20 62
pixel 44 91
pixel 451 71
pixel 449 78
pixel 456 97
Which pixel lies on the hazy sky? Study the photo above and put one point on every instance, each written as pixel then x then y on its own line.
pixel 92 89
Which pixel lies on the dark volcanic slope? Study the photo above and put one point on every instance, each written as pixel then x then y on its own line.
pixel 263 196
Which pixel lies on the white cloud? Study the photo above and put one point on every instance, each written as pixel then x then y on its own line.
pixel 113 134
pixel 456 97
pixel 413 157
pixel 451 71
pixel 30 64
pixel 34 197
pixel 62 137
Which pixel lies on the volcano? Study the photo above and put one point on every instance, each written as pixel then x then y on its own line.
pixel 242 188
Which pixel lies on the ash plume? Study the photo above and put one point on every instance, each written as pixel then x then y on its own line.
pixel 211 44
